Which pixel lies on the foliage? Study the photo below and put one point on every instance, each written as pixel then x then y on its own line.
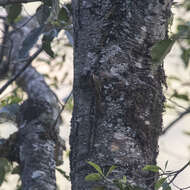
pixel 166 178
pixel 122 184
pixel 63 173
pixel 48 35
pixel 13 12
pixel 6 168
pixel 161 49
pixel 15 98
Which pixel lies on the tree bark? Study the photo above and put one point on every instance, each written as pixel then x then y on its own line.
pixel 39 121
pixel 37 144
pixel 38 131
pixel 118 98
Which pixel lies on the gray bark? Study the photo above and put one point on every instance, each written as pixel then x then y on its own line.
pixel 38 131
pixel 118 98
pixel 37 144
pixel 37 134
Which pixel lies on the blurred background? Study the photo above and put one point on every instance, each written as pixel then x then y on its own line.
pixel 174 145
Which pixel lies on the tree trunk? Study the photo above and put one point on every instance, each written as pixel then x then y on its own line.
pixel 118 98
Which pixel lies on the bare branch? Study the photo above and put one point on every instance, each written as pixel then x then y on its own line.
pixel 63 107
pixel 8 2
pixel 29 61
pixel 176 120
pixel 176 104
pixel 178 172
pixel 180 188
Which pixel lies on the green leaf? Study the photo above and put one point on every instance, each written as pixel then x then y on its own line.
pixel 184 97
pixel 68 6
pixel 124 179
pixel 110 170
pixel 161 49
pixel 13 99
pixel 182 28
pixel 69 105
pixel 16 170
pixel 18 187
pixel 118 184
pixel 48 3
pixel 2 177
pixel 159 183
pixel 169 106
pixel 172 77
pixel 186 133
pixel 152 168
pixel 46 41
pixel 5 168
pixel 166 164
pixel 96 167
pixel 93 177
pixel 64 14
pixel 46 45
pixel 63 173
pixel 185 56
pixel 166 186
pixel 13 12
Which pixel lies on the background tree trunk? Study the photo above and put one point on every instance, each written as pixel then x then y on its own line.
pixel 118 99
pixel 37 143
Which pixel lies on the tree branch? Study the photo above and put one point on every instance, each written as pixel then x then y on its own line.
pixel 29 61
pixel 178 172
pixel 40 147
pixel 8 2
pixel 176 120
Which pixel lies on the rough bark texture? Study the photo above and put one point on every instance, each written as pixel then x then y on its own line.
pixel 118 99
pixel 37 134
pixel 37 139
pixel 38 131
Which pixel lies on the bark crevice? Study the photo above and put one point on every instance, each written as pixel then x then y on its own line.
pixel 121 94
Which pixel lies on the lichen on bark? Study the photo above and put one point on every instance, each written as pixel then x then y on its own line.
pixel 119 122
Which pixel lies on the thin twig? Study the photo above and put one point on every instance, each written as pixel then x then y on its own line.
pixel 176 120
pixel 29 61
pixel 178 172
pixel 21 26
pixel 55 135
pixel 178 105
pixel 63 106
pixel 180 188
